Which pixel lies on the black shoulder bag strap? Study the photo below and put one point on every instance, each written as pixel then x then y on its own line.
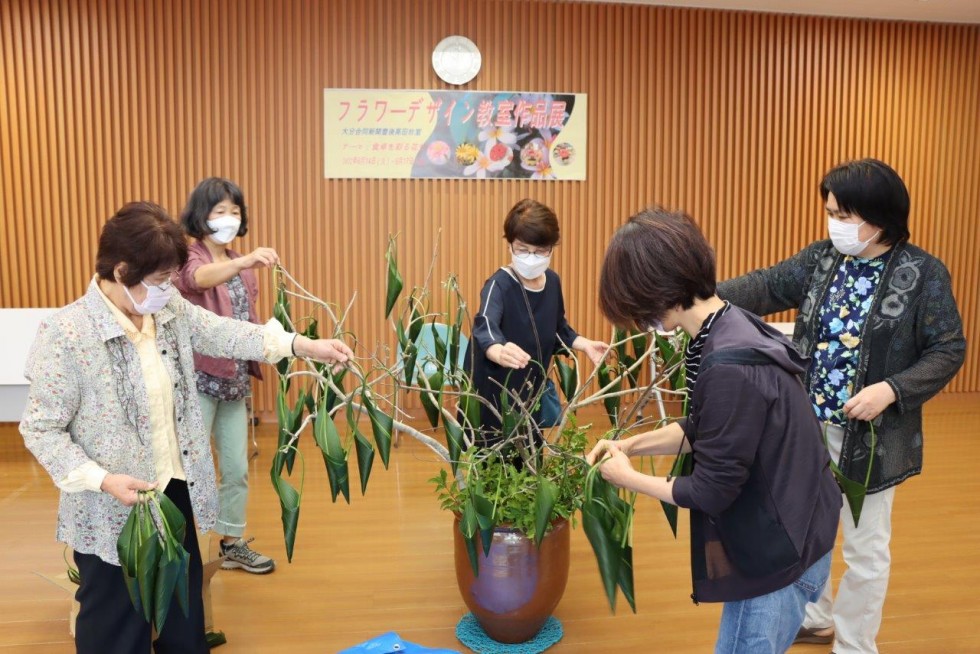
pixel 530 314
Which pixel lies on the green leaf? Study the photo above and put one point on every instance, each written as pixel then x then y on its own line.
pixel 431 398
pixel 454 442
pixel 330 396
pixel 544 504
pixel 469 402
pixel 854 492
pixel 484 518
pixel 311 330
pixel 567 378
pixel 510 418
pixel 619 338
pixel 625 578
pixel 611 403
pixel 215 638
pixel 126 546
pixel 338 475
pixel 606 518
pixel 285 420
pixel 295 420
pixel 175 521
pixel 334 457
pixel 394 284
pixel 468 526
pixel 605 547
pixel 146 570
pixel 365 459
pixel 455 338
pixel 289 501
pixel 402 336
pixel 381 426
pixel 410 356
pixel 168 570
pixel 683 465
pixel 417 319
pixel 363 447
pixel 439 345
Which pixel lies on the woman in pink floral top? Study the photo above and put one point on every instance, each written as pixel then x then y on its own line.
pixel 223 282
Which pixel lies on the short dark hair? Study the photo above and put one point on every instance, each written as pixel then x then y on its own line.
pixel 143 236
pixel 208 194
pixel 533 223
pixel 658 260
pixel 873 190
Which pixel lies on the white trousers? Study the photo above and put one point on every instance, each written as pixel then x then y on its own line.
pixel 856 612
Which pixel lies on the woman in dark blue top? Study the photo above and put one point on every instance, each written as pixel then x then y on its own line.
pixel 521 322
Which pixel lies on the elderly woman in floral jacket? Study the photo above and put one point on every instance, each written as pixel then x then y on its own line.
pixel 879 322
pixel 113 410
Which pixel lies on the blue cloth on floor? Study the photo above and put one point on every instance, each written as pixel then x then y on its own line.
pixel 391 643
pixel 471 634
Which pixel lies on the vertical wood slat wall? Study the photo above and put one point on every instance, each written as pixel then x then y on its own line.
pixel 732 116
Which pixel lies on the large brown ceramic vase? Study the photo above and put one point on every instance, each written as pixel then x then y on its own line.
pixel 519 585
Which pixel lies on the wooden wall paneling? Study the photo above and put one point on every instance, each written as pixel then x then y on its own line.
pixel 732 116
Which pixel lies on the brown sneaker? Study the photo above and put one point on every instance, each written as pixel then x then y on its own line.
pixel 823 636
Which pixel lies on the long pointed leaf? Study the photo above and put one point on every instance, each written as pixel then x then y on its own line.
pixel 468 526
pixel 289 504
pixel 544 504
pixel 168 569
pixel 454 442
pixel 126 548
pixel 681 468
pixel 175 520
pixel 338 474
pixel 394 285
pixel 381 426
pixel 295 420
pixel 431 398
pixel 625 578
pixel 334 457
pixel 604 547
pixel 567 378
pixel 484 518
pixel 611 403
pixel 416 319
pixel 149 559
pixel 284 419
pixel 363 447
pixel 439 345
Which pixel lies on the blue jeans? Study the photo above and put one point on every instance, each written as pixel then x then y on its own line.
pixel 769 624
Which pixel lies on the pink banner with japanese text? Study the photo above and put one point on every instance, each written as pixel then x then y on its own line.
pixel 385 134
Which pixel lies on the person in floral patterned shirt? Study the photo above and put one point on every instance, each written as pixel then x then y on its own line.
pixel 113 409
pixel 223 281
pixel 879 321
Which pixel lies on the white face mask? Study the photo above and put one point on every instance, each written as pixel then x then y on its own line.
pixel 845 237
pixel 225 229
pixel 156 298
pixel 656 326
pixel 532 266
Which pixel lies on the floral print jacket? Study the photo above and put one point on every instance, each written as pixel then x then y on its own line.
pixel 912 340
pixel 88 402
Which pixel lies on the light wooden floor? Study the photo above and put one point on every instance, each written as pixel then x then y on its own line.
pixel 385 563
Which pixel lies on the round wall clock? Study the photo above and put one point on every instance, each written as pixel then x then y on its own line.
pixel 456 60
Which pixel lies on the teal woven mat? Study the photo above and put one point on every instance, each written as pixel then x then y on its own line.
pixel 471 634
